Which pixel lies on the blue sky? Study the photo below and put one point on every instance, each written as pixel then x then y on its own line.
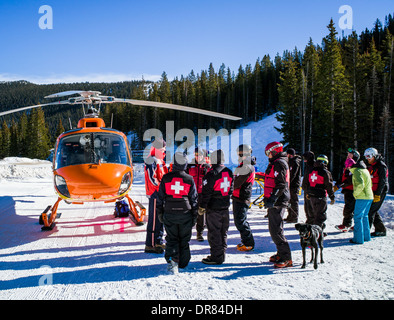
pixel 123 40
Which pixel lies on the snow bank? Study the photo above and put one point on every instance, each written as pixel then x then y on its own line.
pixel 12 168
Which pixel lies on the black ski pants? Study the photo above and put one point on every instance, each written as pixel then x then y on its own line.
pixel 240 211
pixel 154 228
pixel 275 226
pixel 200 225
pixel 179 231
pixel 293 208
pixel 374 216
pixel 318 212
pixel 348 209
pixel 218 222
pixel 308 209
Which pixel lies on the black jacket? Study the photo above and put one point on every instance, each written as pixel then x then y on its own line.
pixel 276 185
pixel 309 156
pixel 243 180
pixel 177 193
pixel 218 186
pixel 319 182
pixel 379 176
pixel 295 171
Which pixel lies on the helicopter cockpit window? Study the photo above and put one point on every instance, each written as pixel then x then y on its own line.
pixel 91 148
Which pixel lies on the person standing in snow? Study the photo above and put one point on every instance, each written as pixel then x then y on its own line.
pixel 347 189
pixel 243 183
pixel 295 181
pixel 362 191
pixel 276 200
pixel 380 185
pixel 154 168
pixel 217 188
pixel 177 209
pixel 197 170
pixel 309 162
pixel 320 184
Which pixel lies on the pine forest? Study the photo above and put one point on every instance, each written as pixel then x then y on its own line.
pixel 328 97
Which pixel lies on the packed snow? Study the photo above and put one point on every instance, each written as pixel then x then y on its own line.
pixel 91 255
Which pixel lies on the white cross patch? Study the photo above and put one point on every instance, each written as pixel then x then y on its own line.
pixel 314 177
pixel 276 174
pixel 177 187
pixel 225 185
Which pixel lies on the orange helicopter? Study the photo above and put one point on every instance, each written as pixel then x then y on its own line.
pixel 93 163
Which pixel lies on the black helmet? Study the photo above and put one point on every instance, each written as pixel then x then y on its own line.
pixel 323 158
pixel 244 149
pixel 355 153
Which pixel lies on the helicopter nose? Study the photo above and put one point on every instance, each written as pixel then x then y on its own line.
pixel 94 182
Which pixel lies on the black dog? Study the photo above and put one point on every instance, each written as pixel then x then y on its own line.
pixel 311 236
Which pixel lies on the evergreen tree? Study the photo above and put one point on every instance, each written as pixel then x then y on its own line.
pixel 5 140
pixel 13 149
pixel 60 129
pixel 38 143
pixel 333 98
pixel 258 92
pixel 310 65
pixel 22 136
pixel 289 96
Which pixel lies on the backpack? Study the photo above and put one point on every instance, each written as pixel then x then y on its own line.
pixel 121 209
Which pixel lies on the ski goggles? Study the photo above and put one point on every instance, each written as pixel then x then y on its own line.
pixel 268 151
pixel 322 160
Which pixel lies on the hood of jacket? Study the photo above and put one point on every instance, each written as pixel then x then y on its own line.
pixel 309 156
pixel 279 155
pixel 359 164
pixel 180 162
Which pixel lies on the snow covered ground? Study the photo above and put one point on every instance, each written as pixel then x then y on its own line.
pixel 91 255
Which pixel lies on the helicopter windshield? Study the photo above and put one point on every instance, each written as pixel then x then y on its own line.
pixel 91 148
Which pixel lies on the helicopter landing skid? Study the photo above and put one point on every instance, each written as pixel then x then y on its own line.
pixel 137 211
pixel 48 220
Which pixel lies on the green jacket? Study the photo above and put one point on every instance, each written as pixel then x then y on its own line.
pixel 362 183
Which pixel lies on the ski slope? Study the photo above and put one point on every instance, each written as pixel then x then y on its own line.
pixel 90 255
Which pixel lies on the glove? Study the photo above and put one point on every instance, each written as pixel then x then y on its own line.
pixel 332 201
pixel 335 188
pixel 376 198
pixel 201 211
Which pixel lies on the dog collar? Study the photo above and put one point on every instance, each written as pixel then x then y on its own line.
pixel 307 237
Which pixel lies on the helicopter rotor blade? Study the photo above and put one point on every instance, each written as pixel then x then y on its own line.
pixel 31 107
pixel 177 107
pixel 84 94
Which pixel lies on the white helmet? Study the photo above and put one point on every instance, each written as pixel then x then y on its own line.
pixel 370 153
